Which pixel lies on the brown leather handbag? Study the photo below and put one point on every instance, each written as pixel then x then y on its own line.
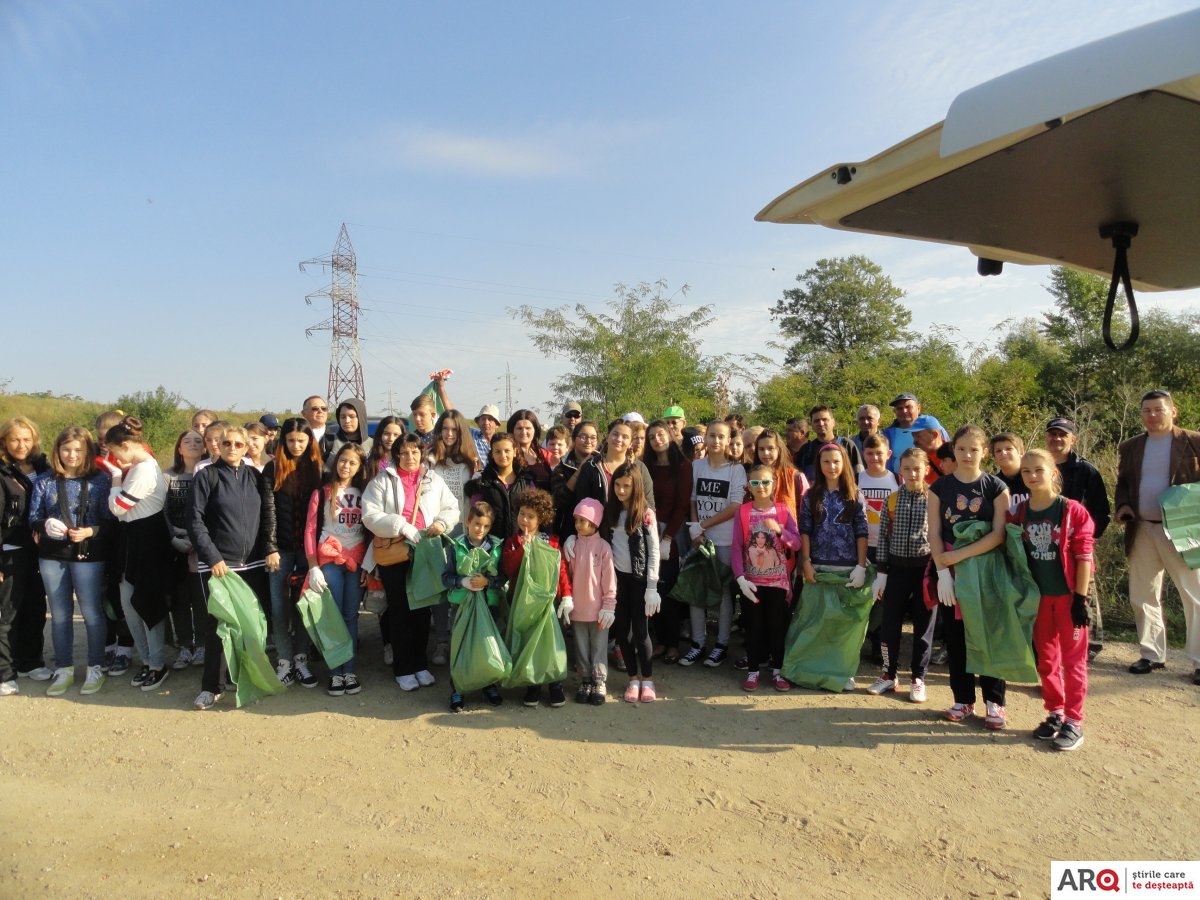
pixel 390 551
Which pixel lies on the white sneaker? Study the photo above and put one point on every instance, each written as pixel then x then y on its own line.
pixel 206 700
pixel 425 678
pixel 441 653
pixel 8 688
pixel 41 673
pixel 407 682
pixel 183 660
pixel 63 679
pixel 882 685
pixel 303 675
pixel 94 681
pixel 283 671
pixel 387 654
pixel 850 685
pixel 916 691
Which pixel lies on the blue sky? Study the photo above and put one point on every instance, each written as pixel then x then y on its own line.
pixel 167 166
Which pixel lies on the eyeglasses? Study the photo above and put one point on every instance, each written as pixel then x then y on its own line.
pixel 754 482
pixel 236 445
pixel 318 409
pixel 588 438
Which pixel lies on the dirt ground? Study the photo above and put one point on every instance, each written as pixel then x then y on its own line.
pixel 708 792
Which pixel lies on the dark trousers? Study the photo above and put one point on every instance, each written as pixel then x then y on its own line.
pixel 766 627
pixel 215 669
pixel 962 682
pixel 188 611
pixel 27 635
pixel 631 616
pixel 905 596
pixel 409 627
pixel 665 625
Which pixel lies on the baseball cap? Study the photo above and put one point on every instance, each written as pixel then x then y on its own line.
pixel 673 412
pixel 900 398
pixel 269 421
pixel 926 423
pixel 572 407
pixel 491 411
pixel 634 417
pixel 1060 423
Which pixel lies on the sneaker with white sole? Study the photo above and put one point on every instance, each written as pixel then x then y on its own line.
pixel 425 678
pixel 960 712
pixel 183 660
pixel 693 656
pixel 140 677
pixel 1049 729
pixel 441 653
pixel 1069 738
pixel 337 685
pixel 301 673
pixel 121 663
pixel 41 673
pixel 351 683
pixel 9 688
pixel 155 678
pixel 850 685
pixel 198 656
pixel 994 718
pixel 283 671
pixel 63 679
pixel 206 700
pixel 916 691
pixel 882 685
pixel 716 656
pixel 94 680
pixel 407 682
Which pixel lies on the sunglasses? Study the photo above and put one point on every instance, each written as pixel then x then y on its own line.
pixel 237 445
pixel 318 409
pixel 1156 394
pixel 573 415
pixel 754 482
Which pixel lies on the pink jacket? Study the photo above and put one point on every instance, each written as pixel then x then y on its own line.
pixel 1074 535
pixel 593 578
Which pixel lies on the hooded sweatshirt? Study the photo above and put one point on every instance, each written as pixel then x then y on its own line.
pixel 358 436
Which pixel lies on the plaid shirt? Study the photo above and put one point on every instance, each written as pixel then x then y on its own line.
pixel 904 536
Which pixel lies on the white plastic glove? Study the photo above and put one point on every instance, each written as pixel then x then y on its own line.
pixel 181 545
pixel 879 585
pixel 565 607
pixel 695 530
pixel 606 618
pixel 316 580
pixel 466 582
pixel 56 529
pixel 858 577
pixel 112 470
pixel 653 601
pixel 568 549
pixel 664 550
pixel 945 586
pixel 410 533
pixel 748 588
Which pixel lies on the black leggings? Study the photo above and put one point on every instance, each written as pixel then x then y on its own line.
pixel 962 682
pixel 766 627
pixel 905 595
pixel 631 614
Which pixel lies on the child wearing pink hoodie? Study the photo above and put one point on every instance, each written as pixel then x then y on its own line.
pixel 594 587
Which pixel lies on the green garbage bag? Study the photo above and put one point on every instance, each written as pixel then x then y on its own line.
pixel 1181 520
pixel 324 623
pixel 478 656
pixel 826 634
pixel 703 578
pixel 242 628
pixel 471 561
pixel 425 574
pixel 999 631
pixel 533 636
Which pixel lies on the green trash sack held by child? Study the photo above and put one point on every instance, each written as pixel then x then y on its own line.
pixel 242 628
pixel 478 656
pixel 703 578
pixel 324 623
pixel 472 561
pixel 425 574
pixel 999 632
pixel 533 636
pixel 1181 520
pixel 826 634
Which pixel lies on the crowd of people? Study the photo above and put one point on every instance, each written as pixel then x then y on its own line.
pixel 590 531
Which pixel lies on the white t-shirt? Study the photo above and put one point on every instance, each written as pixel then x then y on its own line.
pixel 875 492
pixel 713 489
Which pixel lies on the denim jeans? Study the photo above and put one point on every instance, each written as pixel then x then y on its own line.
pixel 84 580
pixel 285 620
pixel 347 593
pixel 148 641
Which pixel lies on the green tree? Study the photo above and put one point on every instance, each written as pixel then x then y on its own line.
pixel 842 305
pixel 162 416
pixel 640 354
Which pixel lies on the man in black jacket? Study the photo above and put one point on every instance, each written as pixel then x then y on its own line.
pixel 1081 481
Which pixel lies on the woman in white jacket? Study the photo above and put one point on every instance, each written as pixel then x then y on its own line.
pixel 408 501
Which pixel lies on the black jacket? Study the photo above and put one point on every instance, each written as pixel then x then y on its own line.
pixel 1083 482
pixel 15 489
pixel 231 516
pixel 489 488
